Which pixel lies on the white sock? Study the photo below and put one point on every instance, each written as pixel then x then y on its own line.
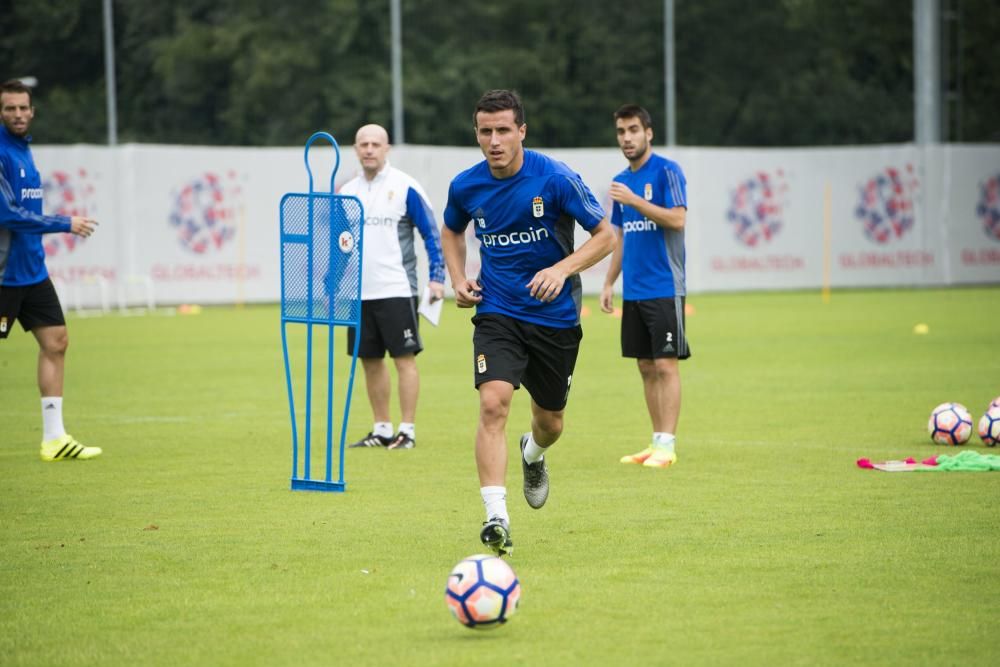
pixel 495 501
pixel 533 453
pixel 664 441
pixel 52 421
pixel 383 429
pixel 409 429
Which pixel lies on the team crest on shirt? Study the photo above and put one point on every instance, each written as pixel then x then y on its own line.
pixel 647 192
pixel 391 194
pixel 3 325
pixel 537 207
pixel 481 363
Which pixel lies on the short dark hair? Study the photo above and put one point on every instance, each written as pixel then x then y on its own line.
pixel 634 111
pixel 15 86
pixel 500 100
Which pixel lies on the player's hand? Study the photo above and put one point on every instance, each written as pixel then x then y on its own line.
pixel 437 290
pixel 622 194
pixel 547 284
pixel 468 293
pixel 608 299
pixel 82 226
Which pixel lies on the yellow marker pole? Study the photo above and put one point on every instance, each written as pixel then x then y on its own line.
pixel 827 237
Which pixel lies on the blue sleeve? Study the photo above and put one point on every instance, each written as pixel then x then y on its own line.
pixel 674 187
pixel 616 210
pixel 577 200
pixel 419 211
pixel 16 217
pixel 454 217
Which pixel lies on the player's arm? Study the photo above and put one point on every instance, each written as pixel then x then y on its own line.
pixel 422 215
pixel 548 283
pixel 467 292
pixel 668 218
pixel 614 270
pixel 16 217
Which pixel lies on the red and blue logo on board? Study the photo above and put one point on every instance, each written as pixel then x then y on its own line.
pixel 204 212
pixel 756 207
pixel 885 207
pixel 67 193
pixel 988 206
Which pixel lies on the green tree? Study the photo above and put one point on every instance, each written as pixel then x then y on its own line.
pixel 977 62
pixel 250 72
pixel 59 43
pixel 573 63
pixel 789 73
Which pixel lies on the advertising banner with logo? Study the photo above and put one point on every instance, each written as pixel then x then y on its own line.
pixel 882 234
pixel 756 214
pixel 203 222
pixel 80 180
pixel 967 192
pixel 199 224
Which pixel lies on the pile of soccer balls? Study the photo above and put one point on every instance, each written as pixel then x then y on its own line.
pixel 951 424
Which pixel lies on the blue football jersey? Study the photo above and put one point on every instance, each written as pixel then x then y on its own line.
pixel 22 256
pixel 652 257
pixel 524 224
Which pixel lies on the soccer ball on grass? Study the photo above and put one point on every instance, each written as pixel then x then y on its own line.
pixel 482 592
pixel 989 426
pixel 950 424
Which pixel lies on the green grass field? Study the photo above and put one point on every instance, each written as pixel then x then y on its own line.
pixel 764 545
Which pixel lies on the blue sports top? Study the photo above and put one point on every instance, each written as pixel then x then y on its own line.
pixel 652 256
pixel 524 224
pixel 22 257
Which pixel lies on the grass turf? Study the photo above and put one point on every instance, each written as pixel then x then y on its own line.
pixel 765 545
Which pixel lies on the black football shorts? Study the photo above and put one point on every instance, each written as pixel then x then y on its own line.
pixel 654 329
pixel 540 357
pixel 33 306
pixel 387 325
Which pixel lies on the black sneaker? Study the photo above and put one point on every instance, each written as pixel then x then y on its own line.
pixel 496 535
pixel 536 478
pixel 402 441
pixel 372 440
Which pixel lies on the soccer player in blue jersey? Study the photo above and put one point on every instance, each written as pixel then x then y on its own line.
pixel 26 292
pixel 649 214
pixel 523 207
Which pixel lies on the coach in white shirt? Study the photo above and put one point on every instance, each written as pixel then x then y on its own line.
pixel 394 205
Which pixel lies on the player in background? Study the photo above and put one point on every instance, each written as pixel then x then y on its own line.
pixel 394 204
pixel 26 292
pixel 523 207
pixel 649 214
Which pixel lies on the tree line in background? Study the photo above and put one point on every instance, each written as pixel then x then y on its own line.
pixel 256 72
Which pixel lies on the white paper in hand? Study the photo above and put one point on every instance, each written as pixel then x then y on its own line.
pixel 431 311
